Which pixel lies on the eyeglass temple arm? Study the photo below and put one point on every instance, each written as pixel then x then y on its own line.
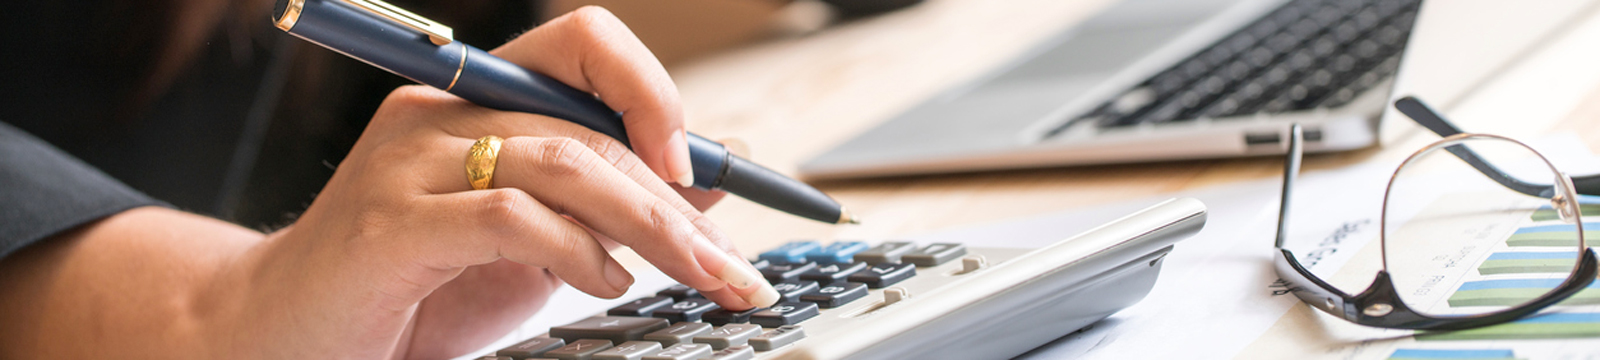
pixel 1291 168
pixel 1425 116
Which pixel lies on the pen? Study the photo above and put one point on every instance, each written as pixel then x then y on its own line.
pixel 424 51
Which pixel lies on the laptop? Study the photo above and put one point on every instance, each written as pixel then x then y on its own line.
pixel 1157 80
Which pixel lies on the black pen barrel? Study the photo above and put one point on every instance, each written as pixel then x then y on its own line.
pixel 766 187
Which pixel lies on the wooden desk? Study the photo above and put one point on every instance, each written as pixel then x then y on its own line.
pixel 793 98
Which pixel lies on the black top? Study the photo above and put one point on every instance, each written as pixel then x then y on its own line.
pixel 46 191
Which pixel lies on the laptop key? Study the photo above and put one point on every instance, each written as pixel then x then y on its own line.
pixel 836 294
pixel 686 310
pixel 936 254
pixel 618 329
pixel 534 347
pixel 682 351
pixel 583 349
pixel 642 307
pixel 632 350
pixel 683 332
pixel 729 335
pixel 785 313
pixel 881 275
pixel 776 338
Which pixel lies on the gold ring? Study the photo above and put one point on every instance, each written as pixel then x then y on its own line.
pixel 480 162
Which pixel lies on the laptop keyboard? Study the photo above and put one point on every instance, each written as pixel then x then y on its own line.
pixel 1304 55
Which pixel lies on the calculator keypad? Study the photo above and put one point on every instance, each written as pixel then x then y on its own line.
pixel 679 323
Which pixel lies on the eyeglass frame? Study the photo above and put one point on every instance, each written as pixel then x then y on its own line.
pixel 1380 304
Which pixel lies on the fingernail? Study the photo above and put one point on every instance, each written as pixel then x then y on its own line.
pixel 618 276
pixel 764 297
pixel 677 161
pixel 733 272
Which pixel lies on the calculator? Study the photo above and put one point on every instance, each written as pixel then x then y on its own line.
pixel 892 300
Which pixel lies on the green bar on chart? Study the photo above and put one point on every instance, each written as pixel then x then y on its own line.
pixel 1510 292
pixel 1547 214
pixel 1545 326
pixel 1543 262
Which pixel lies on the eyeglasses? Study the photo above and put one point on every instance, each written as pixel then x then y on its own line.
pixel 1458 250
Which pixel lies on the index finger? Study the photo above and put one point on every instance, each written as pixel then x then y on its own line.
pixel 591 50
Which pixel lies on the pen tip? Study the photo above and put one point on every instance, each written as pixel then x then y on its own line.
pixel 845 217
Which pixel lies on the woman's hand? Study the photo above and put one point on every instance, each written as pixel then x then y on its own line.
pixel 399 257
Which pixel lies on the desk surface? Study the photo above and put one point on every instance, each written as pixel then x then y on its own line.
pixel 792 98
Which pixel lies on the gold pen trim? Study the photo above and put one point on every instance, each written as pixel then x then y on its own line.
pixel 459 67
pixel 437 33
pixel 291 14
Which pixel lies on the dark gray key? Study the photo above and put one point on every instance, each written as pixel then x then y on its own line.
pixel 686 310
pixel 778 273
pixel 687 351
pixel 784 313
pixel 725 316
pixel 776 338
pixel 836 294
pixel 678 333
pixel 618 329
pixel 935 254
pixel 791 291
pixel 580 350
pixel 679 292
pixel 632 350
pixel 888 252
pixel 881 275
pixel 760 264
pixel 531 348
pixel 729 335
pixel 831 273
pixel 492 357
pixel 642 307
pixel 741 352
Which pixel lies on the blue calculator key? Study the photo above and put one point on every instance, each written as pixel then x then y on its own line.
pixel 839 252
pixel 792 252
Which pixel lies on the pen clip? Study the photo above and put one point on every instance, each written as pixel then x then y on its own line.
pixel 437 33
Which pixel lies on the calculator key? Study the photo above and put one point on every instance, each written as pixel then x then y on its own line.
pixel 580 350
pixel 837 252
pixel 885 253
pixel 778 273
pixel 881 275
pixel 830 273
pixel 679 292
pixel 642 307
pixel 687 310
pixel 678 333
pixel 725 316
pixel 935 254
pixel 776 338
pixel 632 350
pixel 492 357
pixel 729 335
pixel 618 329
pixel 791 291
pixel 784 313
pixel 836 294
pixel 792 252
pixel 760 264
pixel 683 351
pixel 742 352
pixel 534 347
